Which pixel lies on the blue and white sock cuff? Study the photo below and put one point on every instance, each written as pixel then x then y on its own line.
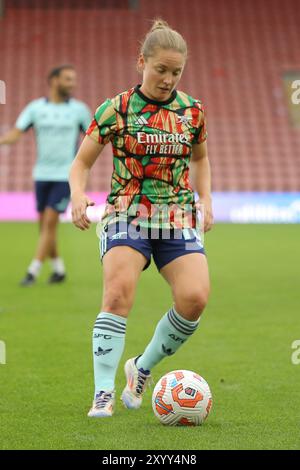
pixel 182 325
pixel 111 324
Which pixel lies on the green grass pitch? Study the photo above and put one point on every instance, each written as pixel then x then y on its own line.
pixel 242 348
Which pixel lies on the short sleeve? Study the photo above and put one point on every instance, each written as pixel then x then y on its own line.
pixel 85 117
pixel 200 135
pixel 26 118
pixel 102 126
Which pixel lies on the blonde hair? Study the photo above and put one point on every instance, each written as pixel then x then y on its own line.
pixel 161 35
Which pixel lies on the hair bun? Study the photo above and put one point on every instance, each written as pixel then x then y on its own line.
pixel 162 36
pixel 159 24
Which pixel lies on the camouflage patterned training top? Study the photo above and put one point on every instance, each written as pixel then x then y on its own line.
pixel 152 145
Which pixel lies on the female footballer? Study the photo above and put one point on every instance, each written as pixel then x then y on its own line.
pixel 157 134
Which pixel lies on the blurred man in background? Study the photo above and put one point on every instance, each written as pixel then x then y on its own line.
pixel 57 120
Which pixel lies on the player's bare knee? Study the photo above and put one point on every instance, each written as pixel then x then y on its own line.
pixel 191 305
pixel 49 225
pixel 118 299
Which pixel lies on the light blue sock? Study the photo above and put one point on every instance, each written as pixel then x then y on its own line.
pixel 108 345
pixel 171 332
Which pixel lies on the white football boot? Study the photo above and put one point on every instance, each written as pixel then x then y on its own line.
pixel 103 405
pixel 137 382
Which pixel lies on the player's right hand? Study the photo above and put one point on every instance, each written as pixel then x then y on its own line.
pixel 80 202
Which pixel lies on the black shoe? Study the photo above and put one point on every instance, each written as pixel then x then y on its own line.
pixel 56 278
pixel 28 280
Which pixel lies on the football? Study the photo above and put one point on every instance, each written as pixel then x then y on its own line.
pixel 182 398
